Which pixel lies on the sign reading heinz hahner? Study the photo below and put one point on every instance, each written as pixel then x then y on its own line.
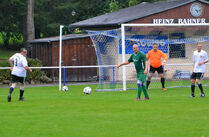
pixel 180 21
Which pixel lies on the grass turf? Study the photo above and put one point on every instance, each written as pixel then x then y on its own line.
pixel 50 113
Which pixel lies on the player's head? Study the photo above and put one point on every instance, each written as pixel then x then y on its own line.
pixel 199 47
pixel 135 48
pixel 155 47
pixel 23 51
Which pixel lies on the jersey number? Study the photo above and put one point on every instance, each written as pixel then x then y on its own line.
pixel 16 61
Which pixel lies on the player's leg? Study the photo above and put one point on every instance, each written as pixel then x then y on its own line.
pixel 160 71
pixel 22 87
pixel 193 78
pixel 200 76
pixel 145 91
pixel 139 84
pixel 12 87
pixel 149 79
pixel 142 79
pixel 151 72
pixel 162 80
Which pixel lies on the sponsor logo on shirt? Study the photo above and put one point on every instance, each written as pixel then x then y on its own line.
pixel 135 60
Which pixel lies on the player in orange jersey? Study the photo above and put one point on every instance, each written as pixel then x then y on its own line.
pixel 154 57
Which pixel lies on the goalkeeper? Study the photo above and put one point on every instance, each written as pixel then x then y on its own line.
pixel 140 62
pixel 155 56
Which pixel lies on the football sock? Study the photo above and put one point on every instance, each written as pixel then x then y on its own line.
pixel 21 93
pixel 147 84
pixel 11 90
pixel 201 89
pixel 163 82
pixel 193 88
pixel 139 91
pixel 145 91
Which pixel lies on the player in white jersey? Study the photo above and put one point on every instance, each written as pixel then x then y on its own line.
pixel 200 57
pixel 19 67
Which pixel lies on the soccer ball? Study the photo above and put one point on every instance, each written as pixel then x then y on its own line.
pixel 64 88
pixel 87 90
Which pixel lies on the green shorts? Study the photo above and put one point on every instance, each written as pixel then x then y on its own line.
pixel 141 77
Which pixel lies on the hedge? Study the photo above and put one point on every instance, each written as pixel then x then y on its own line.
pixel 35 75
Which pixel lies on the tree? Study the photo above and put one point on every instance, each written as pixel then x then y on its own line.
pixel 49 14
pixel 12 16
pixel 30 20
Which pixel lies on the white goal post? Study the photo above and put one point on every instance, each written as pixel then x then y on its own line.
pixel 60 58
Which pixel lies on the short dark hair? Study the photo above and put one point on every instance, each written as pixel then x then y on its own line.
pixel 155 44
pixel 21 50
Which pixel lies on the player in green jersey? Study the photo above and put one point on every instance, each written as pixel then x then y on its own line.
pixel 141 65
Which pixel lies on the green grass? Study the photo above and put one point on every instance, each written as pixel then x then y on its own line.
pixel 50 113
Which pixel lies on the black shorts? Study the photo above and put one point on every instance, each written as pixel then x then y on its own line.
pixel 197 75
pixel 16 79
pixel 159 70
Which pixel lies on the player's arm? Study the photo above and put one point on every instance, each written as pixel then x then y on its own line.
pixel 205 58
pixel 148 57
pixel 203 62
pixel 25 65
pixel 144 57
pixel 27 68
pixel 193 59
pixel 124 63
pixel 146 67
pixel 165 57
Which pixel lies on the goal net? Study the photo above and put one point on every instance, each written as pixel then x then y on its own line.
pixel 177 41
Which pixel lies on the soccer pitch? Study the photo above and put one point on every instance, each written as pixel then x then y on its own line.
pixel 50 113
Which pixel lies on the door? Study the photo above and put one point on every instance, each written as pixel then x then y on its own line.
pixel 80 52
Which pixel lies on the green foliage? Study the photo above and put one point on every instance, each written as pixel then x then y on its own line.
pixel 88 9
pixel 36 74
pixel 1 39
pixel 133 2
pixel 49 14
pixel 5 74
pixel 12 16
pixel 114 6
